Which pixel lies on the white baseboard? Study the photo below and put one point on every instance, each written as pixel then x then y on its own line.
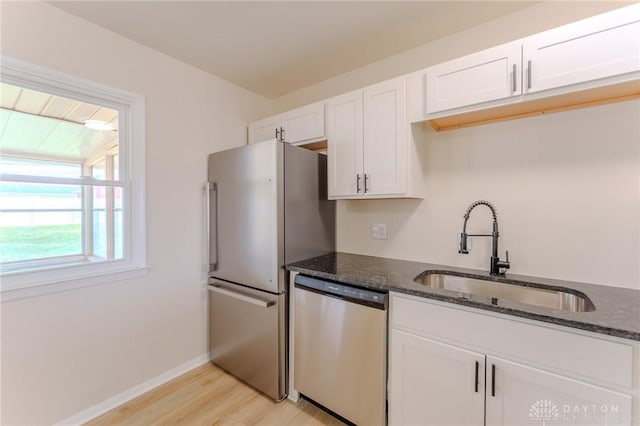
pixel 294 395
pixel 113 402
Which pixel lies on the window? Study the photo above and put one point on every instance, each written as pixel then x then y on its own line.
pixel 71 182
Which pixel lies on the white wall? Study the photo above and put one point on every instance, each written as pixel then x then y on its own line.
pixel 65 352
pixel 566 185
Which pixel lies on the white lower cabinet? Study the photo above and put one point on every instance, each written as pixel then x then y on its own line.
pixel 453 366
pixel 517 394
pixel 434 383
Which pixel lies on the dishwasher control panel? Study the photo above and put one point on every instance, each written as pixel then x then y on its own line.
pixel 356 294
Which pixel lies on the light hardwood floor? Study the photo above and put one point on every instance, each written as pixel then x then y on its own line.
pixel 208 395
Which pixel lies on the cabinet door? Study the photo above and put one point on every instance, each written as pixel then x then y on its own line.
pixel 344 145
pixel 264 130
pixel 522 395
pixel 598 47
pixel 303 123
pixel 481 77
pixel 385 138
pixel 432 383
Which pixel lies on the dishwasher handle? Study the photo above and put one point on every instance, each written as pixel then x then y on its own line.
pixel 243 297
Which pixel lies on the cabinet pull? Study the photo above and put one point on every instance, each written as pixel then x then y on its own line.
pixel 529 75
pixel 477 369
pixel 366 178
pixel 281 134
pixel 493 380
pixel 513 78
pixel 277 134
pixel 358 183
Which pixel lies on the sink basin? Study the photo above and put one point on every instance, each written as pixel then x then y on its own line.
pixel 547 298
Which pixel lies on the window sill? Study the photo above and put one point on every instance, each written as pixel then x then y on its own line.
pixel 9 292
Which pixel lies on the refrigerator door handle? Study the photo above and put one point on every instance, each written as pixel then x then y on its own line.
pixel 212 231
pixel 228 292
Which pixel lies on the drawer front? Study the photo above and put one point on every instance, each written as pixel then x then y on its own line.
pixel 584 356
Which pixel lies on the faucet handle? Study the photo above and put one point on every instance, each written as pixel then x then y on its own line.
pixel 463 243
pixel 504 264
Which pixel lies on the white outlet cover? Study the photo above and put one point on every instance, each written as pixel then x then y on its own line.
pixel 379 231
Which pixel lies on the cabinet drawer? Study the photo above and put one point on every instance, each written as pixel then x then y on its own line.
pixel 584 356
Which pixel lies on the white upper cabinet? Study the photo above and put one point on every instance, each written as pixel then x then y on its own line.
pixel 264 130
pixel 599 47
pixel 368 144
pixel 345 145
pixel 301 125
pixel 385 138
pixel 595 60
pixel 481 77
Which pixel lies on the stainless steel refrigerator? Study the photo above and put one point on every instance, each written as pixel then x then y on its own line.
pixel 267 206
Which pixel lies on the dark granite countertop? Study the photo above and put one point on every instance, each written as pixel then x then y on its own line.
pixel 617 310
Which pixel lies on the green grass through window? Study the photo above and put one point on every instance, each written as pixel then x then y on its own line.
pixel 27 242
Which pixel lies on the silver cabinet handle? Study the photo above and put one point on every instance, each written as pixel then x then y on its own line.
pixel 358 183
pixel 366 179
pixel 211 189
pixel 529 75
pixel 513 78
pixel 282 134
pixel 228 292
pixel 277 134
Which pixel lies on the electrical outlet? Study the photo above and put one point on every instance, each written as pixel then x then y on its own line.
pixel 379 231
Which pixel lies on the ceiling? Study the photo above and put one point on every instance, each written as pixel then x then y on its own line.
pixel 275 47
pixel 38 125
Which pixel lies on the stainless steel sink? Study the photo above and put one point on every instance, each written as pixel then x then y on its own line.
pixel 553 299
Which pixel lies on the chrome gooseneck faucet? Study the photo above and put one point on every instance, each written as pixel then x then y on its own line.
pixel 496 264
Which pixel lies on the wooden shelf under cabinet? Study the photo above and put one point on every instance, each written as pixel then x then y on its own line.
pixel 591 97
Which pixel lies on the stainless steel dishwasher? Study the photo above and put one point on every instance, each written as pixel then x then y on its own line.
pixel 340 349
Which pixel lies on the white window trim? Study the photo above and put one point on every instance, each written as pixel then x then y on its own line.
pixel 131 115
